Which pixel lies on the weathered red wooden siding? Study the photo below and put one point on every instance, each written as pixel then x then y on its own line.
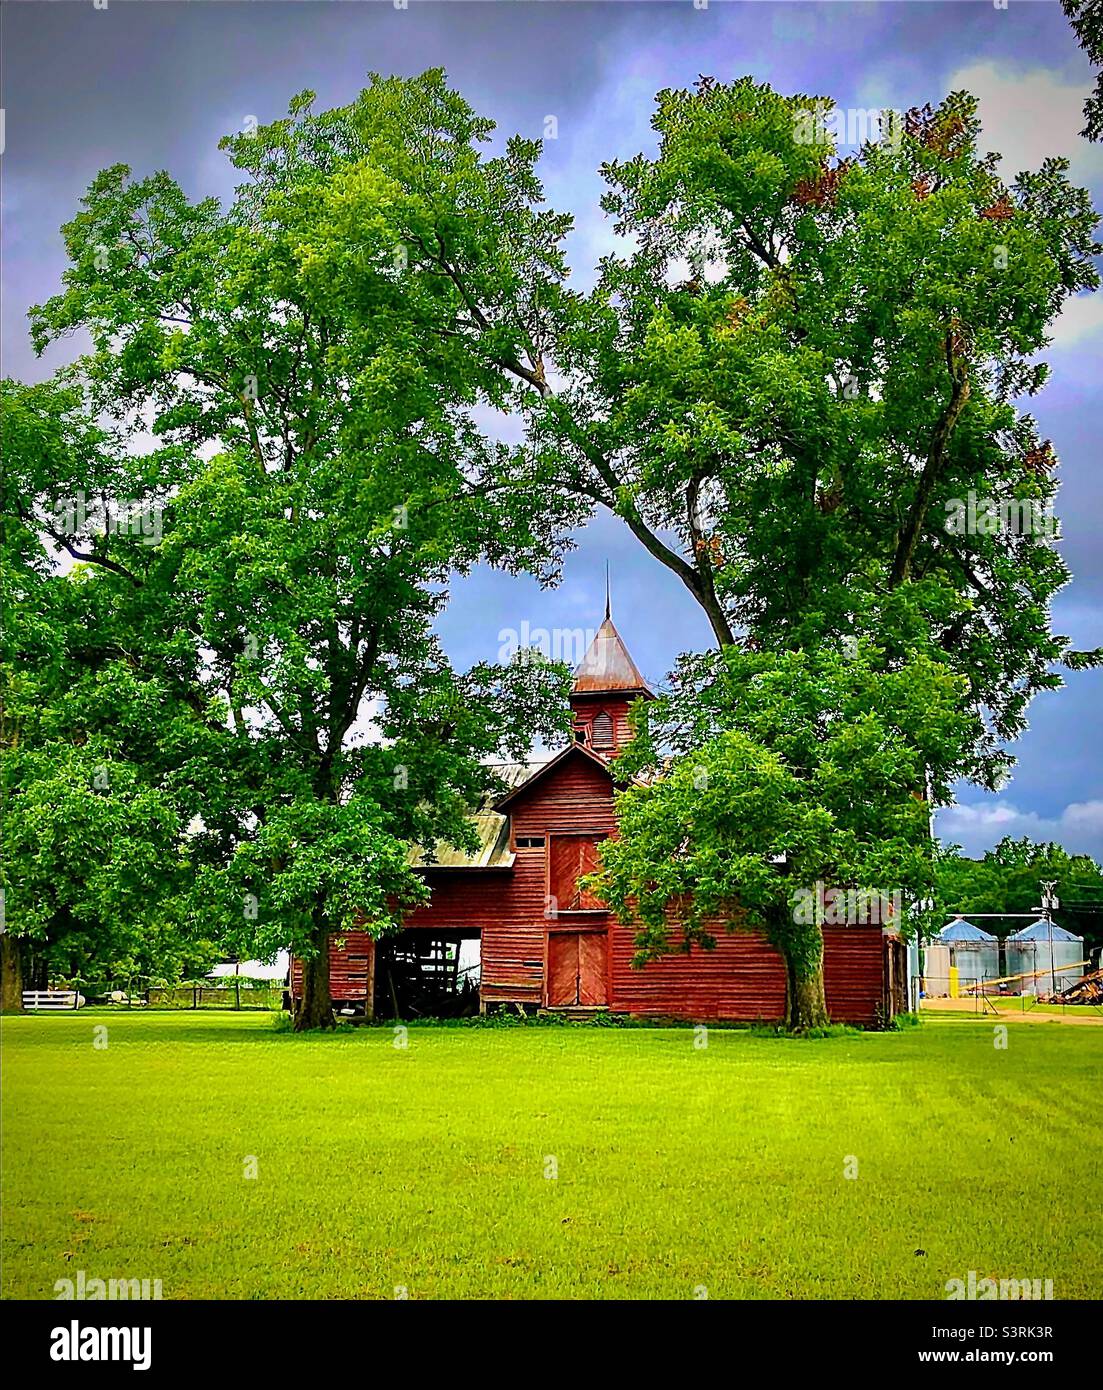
pixel 349 969
pixel 577 795
pixel 464 899
pixel 743 979
pixel 853 973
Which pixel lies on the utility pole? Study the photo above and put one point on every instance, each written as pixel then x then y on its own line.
pixel 1050 902
pixel 928 903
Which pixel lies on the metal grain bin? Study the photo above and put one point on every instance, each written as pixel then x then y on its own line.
pixel 1050 952
pixel 936 971
pixel 974 952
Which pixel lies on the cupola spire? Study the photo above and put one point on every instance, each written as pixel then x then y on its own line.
pixel 607 665
pixel 606 683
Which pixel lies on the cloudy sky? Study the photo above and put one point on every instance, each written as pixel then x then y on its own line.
pixel 154 85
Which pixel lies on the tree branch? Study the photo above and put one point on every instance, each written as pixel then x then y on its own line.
pixel 944 428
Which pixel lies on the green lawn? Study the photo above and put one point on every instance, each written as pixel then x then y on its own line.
pixel 380 1168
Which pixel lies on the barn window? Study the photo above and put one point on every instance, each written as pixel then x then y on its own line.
pixel 530 842
pixel 603 730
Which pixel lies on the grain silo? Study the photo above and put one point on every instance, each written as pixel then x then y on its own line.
pixel 1047 952
pixel 974 953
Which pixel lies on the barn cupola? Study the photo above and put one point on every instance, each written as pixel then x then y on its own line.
pixel 605 684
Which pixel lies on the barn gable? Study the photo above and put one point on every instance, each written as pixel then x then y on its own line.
pixel 574 782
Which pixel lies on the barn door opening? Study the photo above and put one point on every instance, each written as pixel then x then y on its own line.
pixel 576 970
pixel 424 974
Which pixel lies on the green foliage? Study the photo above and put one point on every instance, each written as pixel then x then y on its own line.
pixel 100 733
pixel 1009 878
pixel 760 775
pixel 902 1022
pixel 1086 17
pixel 816 1034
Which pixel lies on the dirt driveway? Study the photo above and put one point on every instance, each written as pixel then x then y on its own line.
pixel 1014 1014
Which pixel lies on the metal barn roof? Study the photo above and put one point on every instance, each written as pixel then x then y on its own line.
pixel 607 666
pixel 491 828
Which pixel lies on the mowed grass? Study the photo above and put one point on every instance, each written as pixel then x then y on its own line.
pixel 547 1162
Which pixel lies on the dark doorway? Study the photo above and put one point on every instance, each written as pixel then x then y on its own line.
pixel 427 974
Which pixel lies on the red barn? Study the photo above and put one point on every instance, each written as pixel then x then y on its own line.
pixel 544 943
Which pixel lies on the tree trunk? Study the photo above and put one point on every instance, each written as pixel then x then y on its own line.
pixel 11 974
pixel 718 621
pixel 315 1009
pixel 909 536
pixel 805 1002
pixel 800 945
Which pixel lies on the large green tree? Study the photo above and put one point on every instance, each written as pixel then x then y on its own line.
pixel 808 361
pixel 317 482
pixel 800 389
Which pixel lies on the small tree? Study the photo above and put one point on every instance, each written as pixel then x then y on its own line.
pixel 767 784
